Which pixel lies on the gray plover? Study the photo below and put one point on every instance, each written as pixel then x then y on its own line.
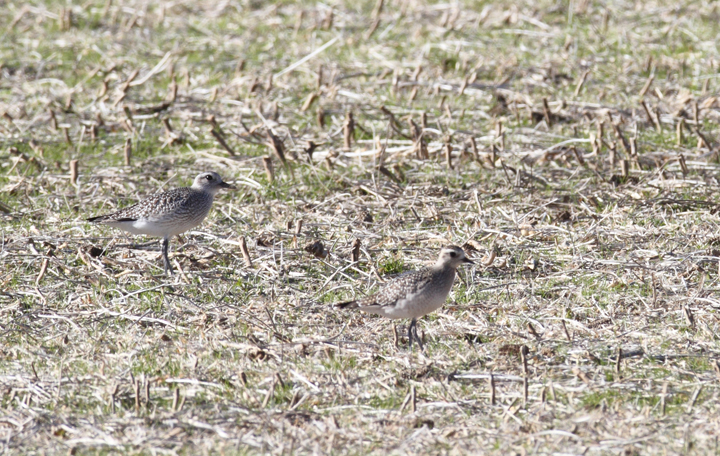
pixel 168 213
pixel 415 293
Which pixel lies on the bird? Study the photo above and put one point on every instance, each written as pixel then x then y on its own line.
pixel 414 294
pixel 168 213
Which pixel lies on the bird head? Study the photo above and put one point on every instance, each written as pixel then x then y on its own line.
pixel 210 182
pixel 452 256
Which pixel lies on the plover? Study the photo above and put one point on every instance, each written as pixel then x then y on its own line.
pixel 415 293
pixel 168 213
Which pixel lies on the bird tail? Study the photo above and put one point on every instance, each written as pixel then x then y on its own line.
pixel 109 217
pixel 346 304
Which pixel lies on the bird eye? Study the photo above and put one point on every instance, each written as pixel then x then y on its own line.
pixel 209 177
pixel 453 254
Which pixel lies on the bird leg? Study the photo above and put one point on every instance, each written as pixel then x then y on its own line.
pixel 165 244
pixel 412 334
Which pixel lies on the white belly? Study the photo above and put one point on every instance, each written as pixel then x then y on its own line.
pixel 413 306
pixel 158 228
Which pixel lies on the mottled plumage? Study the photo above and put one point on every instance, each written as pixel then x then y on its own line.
pixel 169 213
pixel 415 293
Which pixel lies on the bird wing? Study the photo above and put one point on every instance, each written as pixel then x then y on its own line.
pixel 158 205
pixel 403 286
pixel 168 202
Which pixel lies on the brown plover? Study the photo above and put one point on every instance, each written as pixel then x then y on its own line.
pixel 415 293
pixel 168 213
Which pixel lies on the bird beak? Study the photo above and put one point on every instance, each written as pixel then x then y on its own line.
pixel 468 260
pixel 226 185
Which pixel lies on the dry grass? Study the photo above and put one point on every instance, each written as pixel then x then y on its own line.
pixel 595 224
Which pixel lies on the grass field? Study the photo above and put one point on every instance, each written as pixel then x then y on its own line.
pixel 570 147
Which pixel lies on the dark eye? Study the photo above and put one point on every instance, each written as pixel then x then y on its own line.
pixel 453 254
pixel 208 177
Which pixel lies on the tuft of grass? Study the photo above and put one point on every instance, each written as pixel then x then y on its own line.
pixel 391 265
